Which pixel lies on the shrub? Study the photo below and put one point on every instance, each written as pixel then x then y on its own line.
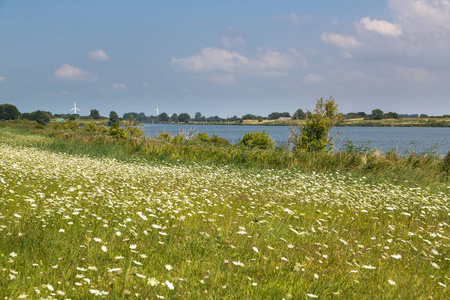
pixel 165 136
pixel 257 140
pixel 116 132
pixel 202 137
pixel 90 127
pixel 314 135
pixel 219 141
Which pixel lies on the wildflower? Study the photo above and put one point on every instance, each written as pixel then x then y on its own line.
pixel 312 296
pixel 133 246
pixel 255 249
pixel 238 263
pixel 368 267
pixel 169 285
pixel 98 240
pixel 152 281
pixel 435 265
pixel 104 249
pixel 168 267
pixel 396 256
pixel 13 254
pixel 392 282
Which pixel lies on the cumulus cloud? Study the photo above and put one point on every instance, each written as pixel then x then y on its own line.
pixel 119 87
pixel 2 79
pixel 269 62
pixel 98 55
pixel 341 41
pixel 69 72
pixel 381 27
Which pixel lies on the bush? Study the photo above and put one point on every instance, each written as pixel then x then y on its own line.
pixel 90 127
pixel 116 132
pixel 202 137
pixel 165 136
pixel 219 141
pixel 257 140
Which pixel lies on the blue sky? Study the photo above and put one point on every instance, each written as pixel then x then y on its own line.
pixel 225 57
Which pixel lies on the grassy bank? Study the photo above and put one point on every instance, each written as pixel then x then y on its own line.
pixel 424 170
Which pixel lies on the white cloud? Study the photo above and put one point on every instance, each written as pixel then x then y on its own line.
pixel 269 62
pixel 381 27
pixel 416 75
pixel 119 87
pixel 343 42
pixel 98 55
pixel 222 78
pixel 290 18
pixel 314 78
pixel 69 72
pixel 2 79
pixel 229 42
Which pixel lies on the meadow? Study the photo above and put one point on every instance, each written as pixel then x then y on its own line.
pixel 81 226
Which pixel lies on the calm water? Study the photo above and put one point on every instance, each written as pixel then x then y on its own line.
pixel 404 139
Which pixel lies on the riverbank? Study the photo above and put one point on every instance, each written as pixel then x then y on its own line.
pixel 415 169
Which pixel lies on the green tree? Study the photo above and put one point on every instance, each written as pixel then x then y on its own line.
pixel 257 139
pixel 184 118
pixel 314 135
pixel 299 115
pixel 174 117
pixel 9 112
pixel 377 114
pixel 198 117
pixel 95 114
pixel 163 117
pixel 40 116
pixel 274 116
pixel 113 118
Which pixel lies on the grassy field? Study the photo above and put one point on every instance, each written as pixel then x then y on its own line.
pixel 83 226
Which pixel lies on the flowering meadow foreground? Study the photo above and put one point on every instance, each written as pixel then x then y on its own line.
pixel 75 227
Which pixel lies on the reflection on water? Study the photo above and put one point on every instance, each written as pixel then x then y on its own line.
pixel 402 139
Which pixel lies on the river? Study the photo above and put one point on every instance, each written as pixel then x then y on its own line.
pixel 402 139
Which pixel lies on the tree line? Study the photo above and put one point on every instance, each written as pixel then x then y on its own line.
pixel 10 112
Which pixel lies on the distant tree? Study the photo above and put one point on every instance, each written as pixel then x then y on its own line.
pixel 184 118
pixel 163 117
pixel 95 114
pixel 361 113
pixel 285 115
pixel 391 115
pixel 423 116
pixel 113 118
pixel 377 114
pixel 42 117
pixel 274 116
pixel 198 117
pixel 174 117
pixel 9 112
pixel 299 115
pixel 249 117
pixel 234 118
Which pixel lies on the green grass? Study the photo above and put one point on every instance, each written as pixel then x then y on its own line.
pixel 73 227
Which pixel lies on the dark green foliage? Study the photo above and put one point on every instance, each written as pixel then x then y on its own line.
pixel 184 118
pixel 174 118
pixel 95 114
pixel 198 117
pixel 113 118
pixel 260 140
pixel 42 117
pixel 163 117
pixel 9 112
pixel 299 115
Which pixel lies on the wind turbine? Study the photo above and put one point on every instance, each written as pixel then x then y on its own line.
pixel 75 108
pixel 157 110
